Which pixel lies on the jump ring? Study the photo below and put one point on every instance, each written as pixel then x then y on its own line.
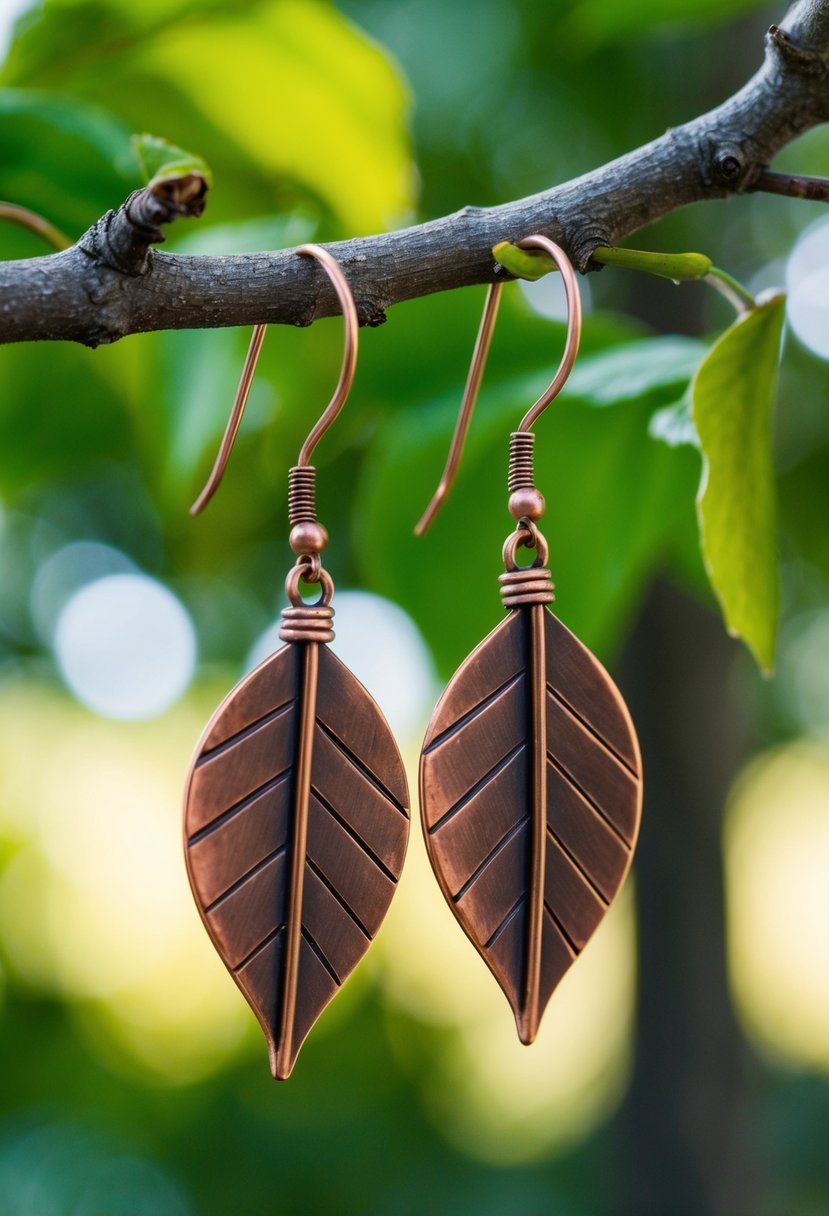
pixel 298 574
pixel 526 535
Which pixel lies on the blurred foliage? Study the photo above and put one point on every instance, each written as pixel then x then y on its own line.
pixel 325 121
pixel 308 104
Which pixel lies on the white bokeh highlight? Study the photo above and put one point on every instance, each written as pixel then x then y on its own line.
pixel 807 282
pixel 10 10
pixel 64 572
pixel 547 297
pixel 126 646
pixel 383 647
pixel 803 678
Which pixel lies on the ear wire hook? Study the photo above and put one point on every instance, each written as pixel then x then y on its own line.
pixel 479 357
pixel 334 271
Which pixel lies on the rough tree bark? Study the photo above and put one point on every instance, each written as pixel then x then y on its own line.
pixel 111 283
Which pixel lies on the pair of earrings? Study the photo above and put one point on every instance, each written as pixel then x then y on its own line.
pixel 296 804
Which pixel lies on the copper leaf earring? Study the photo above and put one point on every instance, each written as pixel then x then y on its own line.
pixel 530 774
pixel 295 810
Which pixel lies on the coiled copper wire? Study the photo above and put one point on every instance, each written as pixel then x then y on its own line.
pixel 302 495
pixel 307 623
pixel 521 475
pixel 303 622
pixel 533 585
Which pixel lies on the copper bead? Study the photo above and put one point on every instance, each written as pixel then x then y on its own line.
pixel 307 537
pixel 526 503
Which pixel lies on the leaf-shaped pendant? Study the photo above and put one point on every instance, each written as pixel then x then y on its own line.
pixel 530 788
pixel 296 827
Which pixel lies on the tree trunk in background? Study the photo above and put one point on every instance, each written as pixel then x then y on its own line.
pixel 681 1133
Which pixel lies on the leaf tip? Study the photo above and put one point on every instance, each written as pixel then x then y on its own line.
pixel 526 1023
pixel 281 1060
pixel 764 658
pixel 762 651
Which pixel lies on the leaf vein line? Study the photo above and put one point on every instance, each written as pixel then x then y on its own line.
pixel 577 865
pixel 329 886
pixel 244 733
pixel 246 877
pixel 585 797
pixel 477 787
pixel 568 941
pixel 362 768
pixel 317 949
pixel 512 912
pixel 591 730
pixel 265 942
pixel 234 810
pixel 490 857
pixel 369 852
pixel 459 724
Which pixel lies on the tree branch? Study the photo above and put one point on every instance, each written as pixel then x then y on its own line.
pixel 111 283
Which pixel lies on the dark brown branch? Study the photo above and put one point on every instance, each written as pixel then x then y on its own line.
pixel 111 283
pixel 795 185
pixel 121 240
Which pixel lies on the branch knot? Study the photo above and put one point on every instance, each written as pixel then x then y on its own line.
pixel 799 58
pixel 121 239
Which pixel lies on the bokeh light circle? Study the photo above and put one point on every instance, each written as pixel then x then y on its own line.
pixel 67 570
pixel 496 1100
pixel 807 281
pixel 547 297
pixel 62 1169
pixel 95 907
pixel 803 672
pixel 385 650
pixel 776 854
pixel 125 646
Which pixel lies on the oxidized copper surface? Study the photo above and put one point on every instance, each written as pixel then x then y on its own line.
pixel 530 775
pixel 296 827
pixel 295 811
pixel 531 792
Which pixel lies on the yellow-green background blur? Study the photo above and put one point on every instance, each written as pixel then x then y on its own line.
pixel 682 1066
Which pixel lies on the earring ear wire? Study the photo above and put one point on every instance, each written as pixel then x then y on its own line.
pixel 352 328
pixel 479 358
pixel 296 803
pixel 530 773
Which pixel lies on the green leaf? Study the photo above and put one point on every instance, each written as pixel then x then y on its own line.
pixel 633 370
pixel 732 396
pixel 161 161
pixel 674 423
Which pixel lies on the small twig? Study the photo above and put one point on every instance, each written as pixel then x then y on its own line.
pixel 795 185
pixel 34 223
pixel 738 296
pixel 679 267
pixel 121 239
